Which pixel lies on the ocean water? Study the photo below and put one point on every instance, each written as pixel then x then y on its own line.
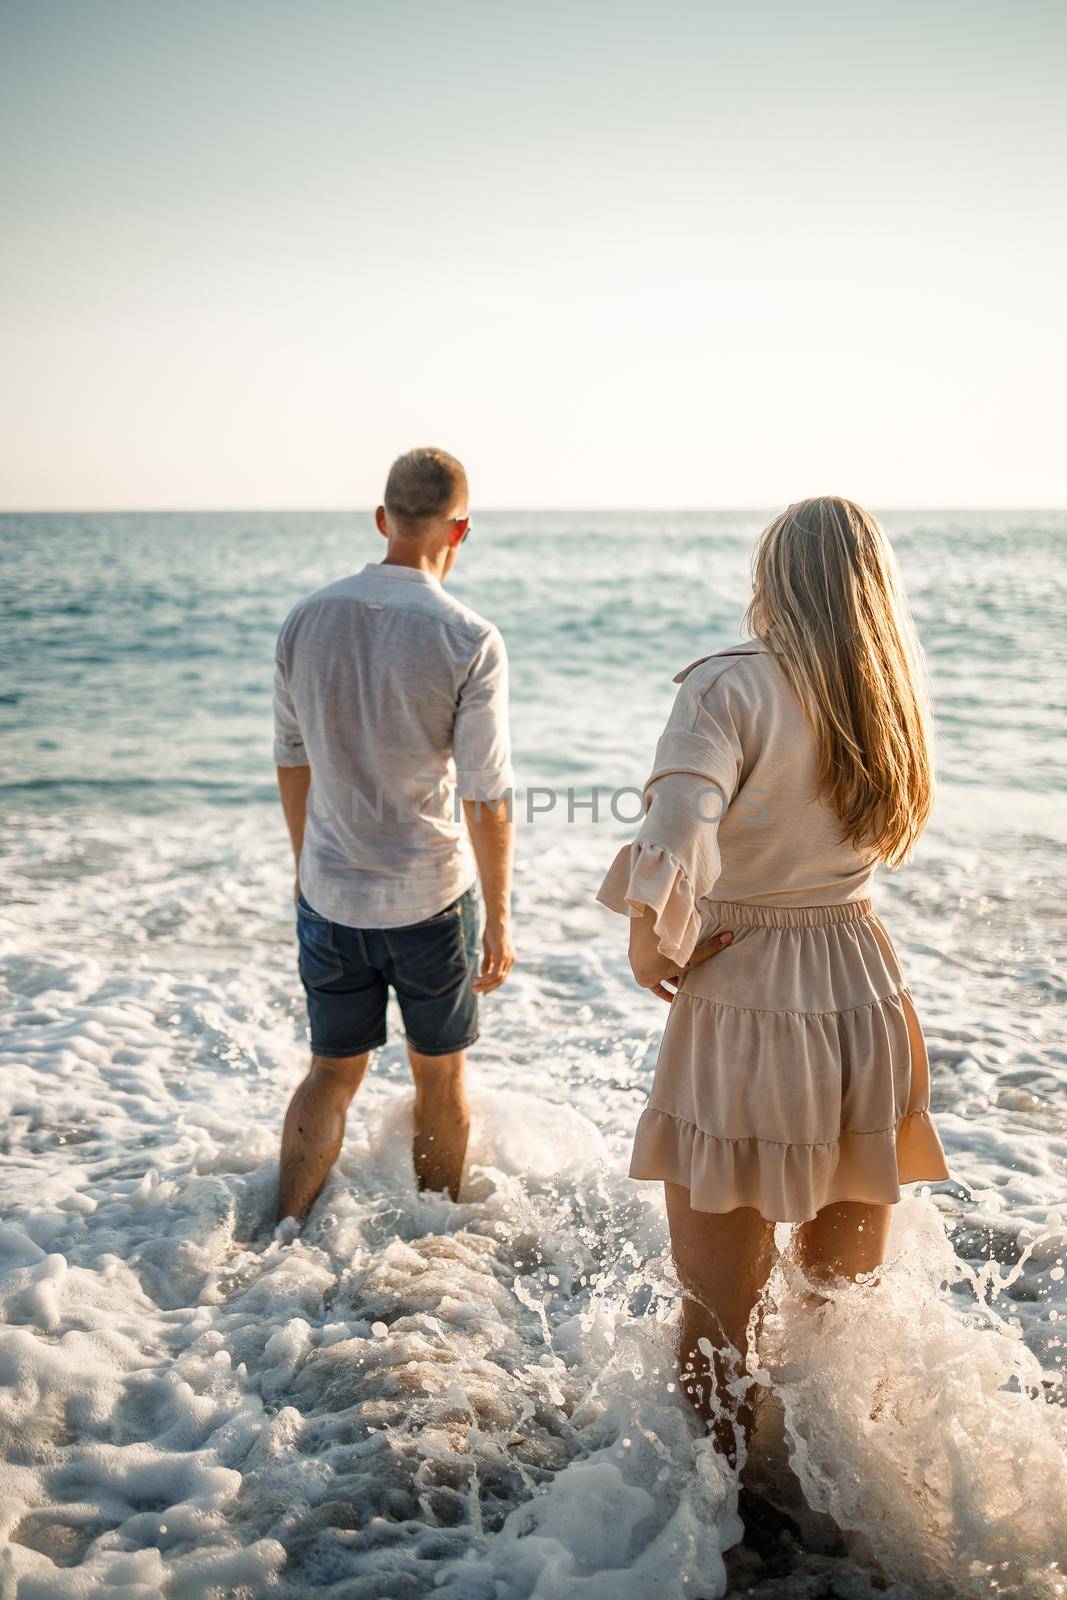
pixel 477 1401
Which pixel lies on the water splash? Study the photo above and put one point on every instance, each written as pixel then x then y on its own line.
pixel 917 1417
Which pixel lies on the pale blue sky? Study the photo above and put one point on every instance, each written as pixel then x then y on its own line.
pixel 610 254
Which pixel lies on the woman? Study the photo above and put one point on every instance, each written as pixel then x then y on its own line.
pixel 792 1083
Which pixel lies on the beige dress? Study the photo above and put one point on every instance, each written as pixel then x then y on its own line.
pixel 792 1071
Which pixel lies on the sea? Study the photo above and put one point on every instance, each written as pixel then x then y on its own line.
pixel 477 1401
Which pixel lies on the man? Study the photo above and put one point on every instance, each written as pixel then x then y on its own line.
pixel 389 696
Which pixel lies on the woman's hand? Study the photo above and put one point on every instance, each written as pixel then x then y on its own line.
pixel 654 971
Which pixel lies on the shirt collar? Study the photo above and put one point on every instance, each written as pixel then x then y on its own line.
pixel 748 647
pixel 382 569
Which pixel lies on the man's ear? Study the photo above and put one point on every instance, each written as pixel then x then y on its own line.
pixel 382 525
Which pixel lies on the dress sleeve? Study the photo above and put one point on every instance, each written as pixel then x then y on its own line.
pixel 674 862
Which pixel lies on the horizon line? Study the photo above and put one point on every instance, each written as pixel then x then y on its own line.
pixel 488 510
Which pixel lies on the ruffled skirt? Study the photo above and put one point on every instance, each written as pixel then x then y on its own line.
pixel 793 1071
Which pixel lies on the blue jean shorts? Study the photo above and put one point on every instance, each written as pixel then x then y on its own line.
pixel 347 974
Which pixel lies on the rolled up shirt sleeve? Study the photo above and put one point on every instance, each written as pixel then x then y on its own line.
pixel 481 738
pixel 288 740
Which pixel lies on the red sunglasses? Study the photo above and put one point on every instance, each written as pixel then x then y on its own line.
pixel 462 526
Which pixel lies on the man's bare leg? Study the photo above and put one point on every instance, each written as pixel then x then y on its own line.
pixel 442 1120
pixel 313 1131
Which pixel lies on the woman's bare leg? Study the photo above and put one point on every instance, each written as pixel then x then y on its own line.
pixel 723 1262
pixel 843 1241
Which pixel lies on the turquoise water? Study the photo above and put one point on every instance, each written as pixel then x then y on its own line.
pixel 134 645
pixel 152 1030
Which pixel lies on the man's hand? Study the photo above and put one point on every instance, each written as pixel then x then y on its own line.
pixel 655 971
pixel 498 956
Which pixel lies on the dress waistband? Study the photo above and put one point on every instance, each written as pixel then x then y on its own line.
pixel 743 914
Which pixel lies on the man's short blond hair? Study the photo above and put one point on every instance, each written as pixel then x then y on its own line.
pixel 424 484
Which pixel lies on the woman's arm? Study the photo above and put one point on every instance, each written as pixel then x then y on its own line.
pixel 653 970
pixel 661 880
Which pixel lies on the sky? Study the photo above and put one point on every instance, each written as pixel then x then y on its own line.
pixel 611 254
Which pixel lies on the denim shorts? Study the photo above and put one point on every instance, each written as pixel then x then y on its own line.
pixel 347 974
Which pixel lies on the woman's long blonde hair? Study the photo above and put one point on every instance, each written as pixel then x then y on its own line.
pixel 828 601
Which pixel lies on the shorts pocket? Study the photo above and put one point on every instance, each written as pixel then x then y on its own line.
pixel 320 963
pixel 431 957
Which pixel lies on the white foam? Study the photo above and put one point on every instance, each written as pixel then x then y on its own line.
pixel 475 1398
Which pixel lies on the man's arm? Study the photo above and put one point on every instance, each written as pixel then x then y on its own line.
pixel 481 745
pixel 293 786
pixel 291 762
pixel 492 830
